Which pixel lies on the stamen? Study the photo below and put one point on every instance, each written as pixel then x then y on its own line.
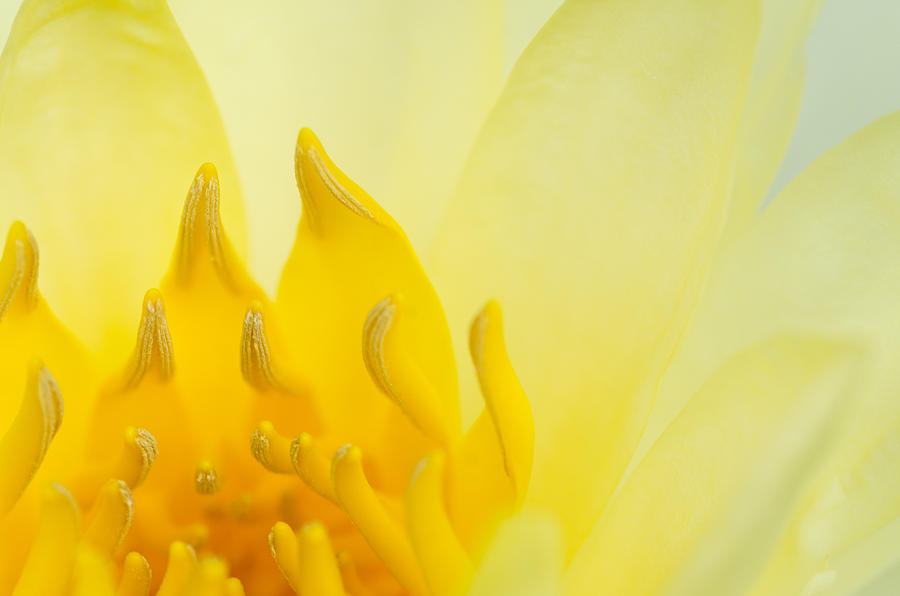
pixel 322 184
pixel 318 567
pixel 19 268
pixel 90 575
pixel 206 481
pixel 138 455
pixel 444 562
pixel 110 518
pixel 286 552
pixel 352 584
pixel 25 444
pixel 312 465
pixel 504 397
pixel 363 507
pixel 201 232
pixel 256 358
pixel 135 576
pixel 182 562
pixel 395 371
pixel 54 545
pixel 209 577
pixel 271 449
pixel 154 344
pixel 234 587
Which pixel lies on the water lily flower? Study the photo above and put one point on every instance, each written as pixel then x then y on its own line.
pixel 613 374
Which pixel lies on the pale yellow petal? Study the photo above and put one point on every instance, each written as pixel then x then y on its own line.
pixel 525 558
pixel 708 503
pixel 823 258
pixel 589 208
pixel 773 102
pixel 397 90
pixel 104 114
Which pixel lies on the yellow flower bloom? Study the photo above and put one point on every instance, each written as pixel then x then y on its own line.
pixel 709 402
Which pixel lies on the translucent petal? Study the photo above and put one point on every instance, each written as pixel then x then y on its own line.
pixel 822 258
pixel 525 558
pixel 589 209
pixel 707 504
pixel 397 89
pixel 104 115
pixel 773 102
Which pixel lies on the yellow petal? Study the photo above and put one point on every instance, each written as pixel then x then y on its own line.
pixel 348 257
pixel 24 445
pixel 589 208
pixel 822 258
pixel 525 558
pixel 53 547
pixel 428 72
pixel 773 102
pixel 97 173
pixel 702 512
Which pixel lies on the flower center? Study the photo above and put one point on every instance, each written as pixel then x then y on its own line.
pixel 357 473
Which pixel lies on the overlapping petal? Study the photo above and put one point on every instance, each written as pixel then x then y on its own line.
pixel 590 208
pixel 398 90
pixel 702 512
pixel 103 115
pixel 823 257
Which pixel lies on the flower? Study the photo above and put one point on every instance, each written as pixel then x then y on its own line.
pixel 709 391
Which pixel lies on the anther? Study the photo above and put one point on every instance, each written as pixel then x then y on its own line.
pixel 23 447
pixel 201 226
pixel 111 517
pixel 18 268
pixel 138 454
pixel 206 480
pixel 154 344
pixel 271 449
pixel 256 355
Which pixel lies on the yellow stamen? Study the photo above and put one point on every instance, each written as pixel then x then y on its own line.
pixel 18 268
pixel 200 235
pixel 352 584
pixel 154 344
pixel 92 575
pixel 256 357
pixel 182 562
pixel 53 547
pixel 135 576
pixel 444 562
pixel 206 480
pixel 234 587
pixel 286 552
pixel 318 567
pixel 503 395
pixel 24 445
pixel 110 518
pixel 362 506
pixel 138 455
pixel 312 465
pixel 271 449
pixel 394 369
pixel 208 578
